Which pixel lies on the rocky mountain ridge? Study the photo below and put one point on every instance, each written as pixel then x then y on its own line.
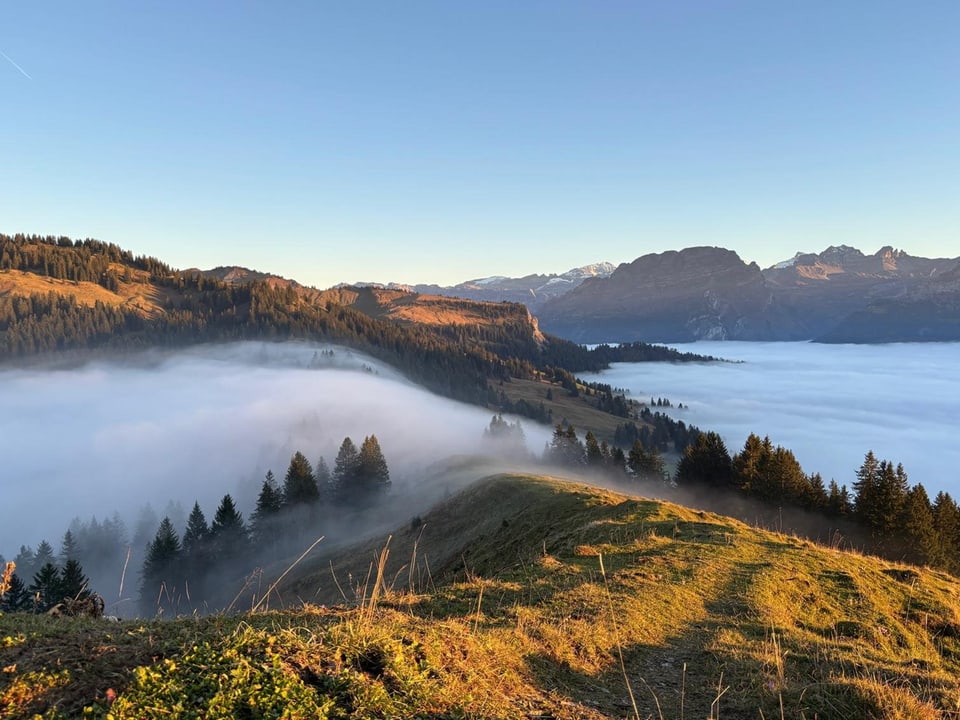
pixel 709 293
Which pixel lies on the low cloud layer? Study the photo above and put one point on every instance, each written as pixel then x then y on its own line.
pixel 196 424
pixel 830 404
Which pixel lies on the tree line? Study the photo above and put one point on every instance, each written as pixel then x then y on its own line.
pixel 900 520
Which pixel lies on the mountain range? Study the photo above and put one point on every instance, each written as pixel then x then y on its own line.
pixel 710 293
pixel 531 290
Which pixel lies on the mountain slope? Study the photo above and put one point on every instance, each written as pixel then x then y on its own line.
pixel 702 293
pixel 497 604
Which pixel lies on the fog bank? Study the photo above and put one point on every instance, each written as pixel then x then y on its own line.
pixel 196 424
pixel 827 403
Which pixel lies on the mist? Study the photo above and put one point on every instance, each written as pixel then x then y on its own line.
pixel 829 404
pixel 196 424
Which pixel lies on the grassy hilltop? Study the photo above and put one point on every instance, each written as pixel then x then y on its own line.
pixel 527 597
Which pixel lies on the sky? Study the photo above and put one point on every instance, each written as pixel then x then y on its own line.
pixel 439 141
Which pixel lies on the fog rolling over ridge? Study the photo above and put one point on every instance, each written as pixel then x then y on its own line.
pixel 829 404
pixel 196 424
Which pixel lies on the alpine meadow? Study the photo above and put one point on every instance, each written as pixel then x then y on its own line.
pixel 491 361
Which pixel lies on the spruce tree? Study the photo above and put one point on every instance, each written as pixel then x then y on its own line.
pixel 372 471
pixel 592 452
pixel 918 527
pixel 228 532
pixel 324 480
pixel 17 598
pixel 44 555
pixel 299 484
pixel 46 588
pixel 345 469
pixel 196 536
pixel 73 583
pixel 161 577
pixel 706 461
pixel 69 549
pixel 264 518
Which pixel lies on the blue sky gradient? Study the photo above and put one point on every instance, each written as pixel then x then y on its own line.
pixel 440 141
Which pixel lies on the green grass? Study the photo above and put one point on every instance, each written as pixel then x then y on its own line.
pixel 496 607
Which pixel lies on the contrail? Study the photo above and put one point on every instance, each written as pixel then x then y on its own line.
pixel 9 60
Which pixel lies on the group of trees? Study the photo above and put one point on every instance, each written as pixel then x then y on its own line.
pixel 54 579
pixel 899 518
pixel 566 449
pixel 183 573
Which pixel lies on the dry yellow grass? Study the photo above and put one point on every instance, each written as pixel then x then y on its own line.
pixel 144 297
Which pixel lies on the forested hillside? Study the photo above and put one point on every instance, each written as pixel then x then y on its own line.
pixel 58 295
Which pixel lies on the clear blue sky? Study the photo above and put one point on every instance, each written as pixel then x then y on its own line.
pixel 439 141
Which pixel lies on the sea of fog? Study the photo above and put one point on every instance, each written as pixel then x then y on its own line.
pixel 829 404
pixel 196 424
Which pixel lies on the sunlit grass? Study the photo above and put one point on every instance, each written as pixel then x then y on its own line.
pixel 509 613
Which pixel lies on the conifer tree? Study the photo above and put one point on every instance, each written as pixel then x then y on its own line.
pixel 646 465
pixel 196 536
pixel 593 455
pixel 17 598
pixel 706 461
pixel 565 447
pixel 26 561
pixel 197 554
pixel 918 526
pixel 372 470
pixel 228 532
pixel 324 480
pixel 73 583
pixel 345 469
pixel 44 555
pixel 46 588
pixel 299 484
pixel 69 549
pixel 269 504
pixel 161 577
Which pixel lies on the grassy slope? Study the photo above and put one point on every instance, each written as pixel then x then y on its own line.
pixel 497 606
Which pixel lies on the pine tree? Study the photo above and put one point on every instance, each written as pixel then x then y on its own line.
pixel 372 470
pixel 706 461
pixel 324 480
pixel 865 489
pixel 646 465
pixel 69 549
pixel 269 504
pixel 565 448
pixel 17 598
pixel 196 536
pixel 161 575
pixel 946 523
pixel 345 469
pixel 918 526
pixel 838 500
pixel 73 583
pixel 299 484
pixel 44 555
pixel 228 532
pixel 26 561
pixel 592 452
pixel 46 588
